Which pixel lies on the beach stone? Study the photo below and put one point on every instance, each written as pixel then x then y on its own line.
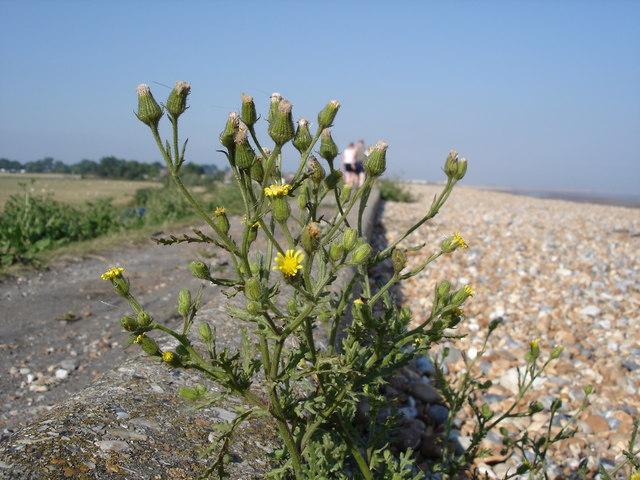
pixel 425 393
pixel 112 445
pixel 438 413
pixel 410 434
pixel 597 423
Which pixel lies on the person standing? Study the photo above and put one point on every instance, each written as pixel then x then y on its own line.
pixel 361 156
pixel 349 164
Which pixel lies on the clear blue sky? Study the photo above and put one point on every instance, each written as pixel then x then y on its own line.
pixel 534 93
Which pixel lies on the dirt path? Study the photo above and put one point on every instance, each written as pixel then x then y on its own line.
pixel 59 329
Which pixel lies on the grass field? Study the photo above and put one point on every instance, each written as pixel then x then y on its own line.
pixel 70 189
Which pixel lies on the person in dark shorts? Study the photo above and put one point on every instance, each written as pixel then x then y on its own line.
pixel 361 156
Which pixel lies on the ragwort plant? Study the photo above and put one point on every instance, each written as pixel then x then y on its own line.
pixel 311 392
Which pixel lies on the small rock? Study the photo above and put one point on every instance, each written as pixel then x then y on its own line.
pixel 430 446
pixel 438 413
pixel 410 410
pixel 61 373
pixel 411 434
pixel 425 365
pixel 597 423
pixel 509 380
pixel 112 445
pixel 590 310
pixel 425 393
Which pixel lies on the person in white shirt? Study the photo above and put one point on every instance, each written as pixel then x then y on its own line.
pixel 349 164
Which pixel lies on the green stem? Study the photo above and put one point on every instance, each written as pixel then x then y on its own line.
pixel 433 211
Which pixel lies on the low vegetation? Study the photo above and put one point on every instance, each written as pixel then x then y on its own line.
pixel 36 220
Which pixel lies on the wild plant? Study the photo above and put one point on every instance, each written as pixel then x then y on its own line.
pixel 310 389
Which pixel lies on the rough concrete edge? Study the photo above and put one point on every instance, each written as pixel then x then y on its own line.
pixel 91 443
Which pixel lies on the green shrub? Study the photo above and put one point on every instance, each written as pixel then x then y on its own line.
pixel 393 190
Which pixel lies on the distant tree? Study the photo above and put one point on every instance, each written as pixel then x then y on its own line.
pixel 85 167
pixel 40 166
pixel 10 165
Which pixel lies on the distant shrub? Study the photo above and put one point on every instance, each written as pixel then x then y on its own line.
pixel 394 191
pixel 32 223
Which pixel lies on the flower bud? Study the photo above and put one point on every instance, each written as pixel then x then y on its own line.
pixel 121 285
pixel 244 155
pixel 556 351
pixel 177 101
pixel 205 331
pixel 147 344
pixel 399 260
pixel 248 113
pixel 349 238
pixel 462 294
pixel 281 127
pixel 376 162
pixel 442 292
pixel 310 237
pixel 257 170
pixel 144 319
pixel 535 407
pixel 292 307
pixel 588 389
pixel 328 114
pixel 302 138
pixel 276 98
pixel 303 196
pixel 253 289
pixel 361 254
pixel 451 164
pixel 534 349
pixel 200 270
pixel 462 169
pixel 229 132
pixel 316 172
pixel 221 220
pixel 328 148
pixel 345 193
pixel 149 112
pixel 280 209
pixel 129 324
pixel 332 179
pixel 184 302
pixel 336 251
pixel 254 308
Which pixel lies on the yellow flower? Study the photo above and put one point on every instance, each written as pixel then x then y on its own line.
pixel 457 238
pixel 358 301
pixel 277 190
pixel 635 476
pixel 534 344
pixel 168 356
pixel 418 341
pixel 139 339
pixel 289 263
pixel 468 289
pixel 219 211
pixel 112 273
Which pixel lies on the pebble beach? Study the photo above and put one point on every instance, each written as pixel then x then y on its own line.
pixel 565 273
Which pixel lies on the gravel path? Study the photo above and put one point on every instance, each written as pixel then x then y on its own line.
pixel 564 272
pixel 60 330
